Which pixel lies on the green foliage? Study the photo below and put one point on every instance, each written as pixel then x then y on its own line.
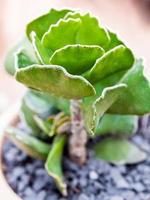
pixel 21 55
pixel 42 23
pixel 31 145
pixel 34 104
pixel 53 163
pixel 69 57
pixel 119 151
pixel 123 125
pixel 55 80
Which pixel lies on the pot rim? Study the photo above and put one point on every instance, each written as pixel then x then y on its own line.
pixel 5 189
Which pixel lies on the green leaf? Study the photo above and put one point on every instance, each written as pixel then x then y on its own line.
pixel 34 104
pixel 119 151
pixel 124 125
pixel 43 54
pixel 136 97
pixel 114 41
pixel 42 23
pixel 61 34
pixel 39 104
pixel 94 108
pixel 28 56
pixel 44 124
pixel 22 60
pixel 55 80
pixel 118 59
pixel 27 116
pixel 90 32
pixel 29 144
pixel 77 59
pixel 53 163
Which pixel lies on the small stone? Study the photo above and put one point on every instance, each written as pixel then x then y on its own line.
pixel 29 193
pixel 122 169
pixel 83 182
pixel 52 197
pixel 98 186
pixel 38 184
pixel 83 197
pixel 18 172
pixel 74 183
pixel 41 195
pixel 119 180
pixel 40 172
pixel 30 168
pixel 138 187
pixel 116 198
pixel 93 175
pixel 21 157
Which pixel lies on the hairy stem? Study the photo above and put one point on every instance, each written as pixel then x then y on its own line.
pixel 78 137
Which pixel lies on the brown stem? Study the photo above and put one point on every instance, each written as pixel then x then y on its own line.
pixel 78 137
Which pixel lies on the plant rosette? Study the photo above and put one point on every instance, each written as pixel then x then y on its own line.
pixel 86 88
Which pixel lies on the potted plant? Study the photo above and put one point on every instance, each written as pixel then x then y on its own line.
pixel 86 90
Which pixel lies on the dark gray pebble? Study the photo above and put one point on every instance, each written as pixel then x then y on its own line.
pixel 83 197
pixel 41 195
pixel 38 184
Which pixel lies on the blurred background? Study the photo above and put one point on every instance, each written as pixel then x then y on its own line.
pixel 129 18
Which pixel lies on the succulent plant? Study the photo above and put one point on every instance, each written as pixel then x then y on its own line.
pixel 83 81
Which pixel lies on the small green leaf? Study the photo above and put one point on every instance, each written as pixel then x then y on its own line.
pixel 119 151
pixel 38 104
pixel 55 80
pixel 77 59
pixel 94 109
pixel 34 104
pixel 61 34
pixel 117 59
pixel 42 23
pixel 136 97
pixel 27 116
pixel 28 56
pixel 22 60
pixel 51 100
pixel 31 145
pixel 53 163
pixel 90 32
pixel 43 54
pixel 124 125
pixel 44 124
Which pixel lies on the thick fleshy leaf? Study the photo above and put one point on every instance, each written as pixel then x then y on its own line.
pixel 136 97
pixel 94 109
pixel 42 23
pixel 53 163
pixel 117 59
pixel 114 41
pixel 32 105
pixel 22 60
pixel 52 101
pixel 61 34
pixel 124 125
pixel 119 151
pixel 55 80
pixel 27 116
pixel 28 56
pixel 31 145
pixel 90 32
pixel 44 124
pixel 77 59
pixel 43 54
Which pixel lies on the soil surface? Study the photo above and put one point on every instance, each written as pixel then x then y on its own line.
pixel 97 180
